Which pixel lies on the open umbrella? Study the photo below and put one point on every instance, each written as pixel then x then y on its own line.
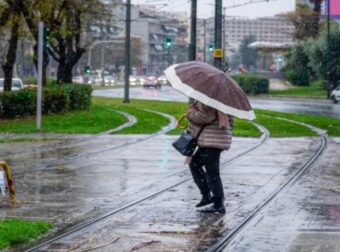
pixel 210 86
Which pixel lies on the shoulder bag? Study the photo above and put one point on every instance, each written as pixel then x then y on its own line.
pixel 186 144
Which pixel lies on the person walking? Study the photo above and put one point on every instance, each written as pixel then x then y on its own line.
pixel 215 137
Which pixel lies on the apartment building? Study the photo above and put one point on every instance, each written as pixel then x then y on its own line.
pixel 277 29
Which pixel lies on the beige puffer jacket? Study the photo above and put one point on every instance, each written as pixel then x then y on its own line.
pixel 212 135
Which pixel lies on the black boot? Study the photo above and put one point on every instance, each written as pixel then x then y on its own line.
pixel 206 200
pixel 217 207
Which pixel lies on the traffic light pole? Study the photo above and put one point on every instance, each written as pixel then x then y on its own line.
pixel 127 51
pixel 192 45
pixel 40 73
pixel 218 32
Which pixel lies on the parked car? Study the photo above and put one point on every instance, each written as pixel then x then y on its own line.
pixel 335 95
pixel 151 81
pixel 17 84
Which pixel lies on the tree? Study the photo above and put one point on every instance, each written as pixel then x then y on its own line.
pixel 297 69
pixel 306 20
pixel 248 55
pixel 11 16
pixel 320 60
pixel 66 20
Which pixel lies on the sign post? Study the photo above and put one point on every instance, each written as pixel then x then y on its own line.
pixel 40 70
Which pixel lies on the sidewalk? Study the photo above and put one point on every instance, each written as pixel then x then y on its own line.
pixel 75 190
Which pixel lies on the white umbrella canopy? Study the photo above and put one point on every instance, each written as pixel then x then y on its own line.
pixel 211 86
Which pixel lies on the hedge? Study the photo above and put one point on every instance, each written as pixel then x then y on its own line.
pixel 252 84
pixel 56 99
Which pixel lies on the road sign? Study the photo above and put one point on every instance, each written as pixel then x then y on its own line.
pixel 218 53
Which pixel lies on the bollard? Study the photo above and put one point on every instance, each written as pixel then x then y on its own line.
pixel 10 183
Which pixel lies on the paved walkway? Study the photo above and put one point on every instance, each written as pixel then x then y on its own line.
pixel 69 184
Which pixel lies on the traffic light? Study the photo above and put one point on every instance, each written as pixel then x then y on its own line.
pixel 168 42
pixel 87 69
pixel 211 48
pixel 46 36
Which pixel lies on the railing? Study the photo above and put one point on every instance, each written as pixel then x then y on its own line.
pixel 10 183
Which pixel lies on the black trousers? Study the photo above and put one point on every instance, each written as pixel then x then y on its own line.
pixel 208 179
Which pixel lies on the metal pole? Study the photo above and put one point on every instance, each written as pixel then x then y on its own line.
pixel 204 40
pixel 127 51
pixel 192 45
pixel 328 50
pixel 218 31
pixel 40 72
pixel 223 35
pixel 102 63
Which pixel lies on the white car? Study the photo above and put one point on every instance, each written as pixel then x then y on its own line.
pixel 335 95
pixel 17 84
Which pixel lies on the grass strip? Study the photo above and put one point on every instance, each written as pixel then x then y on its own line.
pixel 17 231
pixel 96 120
pixel 315 89
pixel 102 117
pixel 331 125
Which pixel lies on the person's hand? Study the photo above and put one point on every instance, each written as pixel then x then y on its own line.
pixel 187 160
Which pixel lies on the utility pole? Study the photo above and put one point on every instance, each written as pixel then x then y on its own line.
pixel 192 45
pixel 127 51
pixel 204 40
pixel 223 35
pixel 328 50
pixel 218 32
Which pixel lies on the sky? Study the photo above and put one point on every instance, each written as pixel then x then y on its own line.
pixel 205 8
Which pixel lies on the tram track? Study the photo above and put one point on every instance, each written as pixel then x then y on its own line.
pixel 82 226
pixel 230 235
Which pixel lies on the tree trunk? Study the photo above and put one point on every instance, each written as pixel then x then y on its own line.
pixel 11 54
pixel 67 60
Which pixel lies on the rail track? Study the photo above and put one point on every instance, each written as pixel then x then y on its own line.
pixel 83 226
pixel 230 235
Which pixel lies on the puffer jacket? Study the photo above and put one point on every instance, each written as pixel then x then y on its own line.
pixel 212 135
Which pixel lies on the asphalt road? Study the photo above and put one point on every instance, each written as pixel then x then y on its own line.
pixel 324 108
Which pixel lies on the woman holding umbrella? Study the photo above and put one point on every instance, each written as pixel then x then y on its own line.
pixel 219 99
pixel 215 138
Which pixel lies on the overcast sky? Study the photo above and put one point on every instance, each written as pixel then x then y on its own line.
pixel 205 8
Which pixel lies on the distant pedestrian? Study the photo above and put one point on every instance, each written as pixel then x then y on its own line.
pixel 215 137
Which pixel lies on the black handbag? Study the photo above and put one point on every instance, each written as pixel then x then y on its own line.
pixel 186 144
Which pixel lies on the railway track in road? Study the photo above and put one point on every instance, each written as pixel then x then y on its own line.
pixel 83 226
pixel 100 151
pixel 230 235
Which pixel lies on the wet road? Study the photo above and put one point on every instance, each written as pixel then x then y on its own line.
pixel 324 108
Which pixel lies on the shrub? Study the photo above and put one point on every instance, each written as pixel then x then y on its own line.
pixel 252 84
pixel 56 99
pixel 80 95
pixel 300 78
pixel 17 103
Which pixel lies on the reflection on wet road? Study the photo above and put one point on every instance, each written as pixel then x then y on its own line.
pixel 325 108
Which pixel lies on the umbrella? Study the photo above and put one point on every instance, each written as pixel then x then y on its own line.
pixel 211 86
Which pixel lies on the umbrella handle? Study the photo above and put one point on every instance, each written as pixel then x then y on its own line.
pixel 179 122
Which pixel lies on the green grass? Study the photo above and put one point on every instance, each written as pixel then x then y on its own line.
pixel 331 125
pixel 17 231
pixel 314 90
pixel 280 128
pixel 102 117
pixel 96 120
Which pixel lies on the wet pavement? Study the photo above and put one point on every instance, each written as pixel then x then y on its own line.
pixel 316 107
pixel 145 191
pixel 71 181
